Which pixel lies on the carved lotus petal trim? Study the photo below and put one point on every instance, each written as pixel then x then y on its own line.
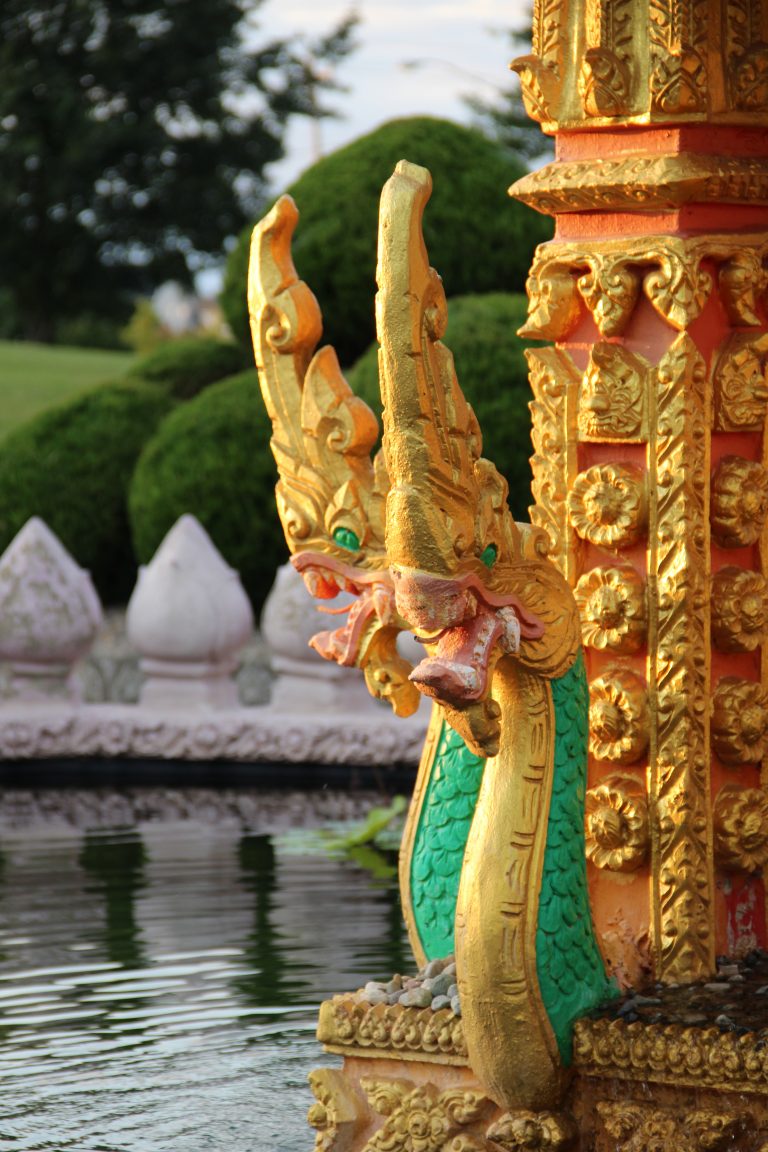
pixel 741 828
pixel 612 607
pixel 739 609
pixel 618 716
pixel 616 822
pixel 739 502
pixel 607 505
pixel 739 721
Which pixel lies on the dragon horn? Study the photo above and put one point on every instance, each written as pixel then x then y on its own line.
pixel 446 505
pixel 322 434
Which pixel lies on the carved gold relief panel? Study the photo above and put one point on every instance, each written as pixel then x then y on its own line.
pixel 683 870
pixel 420 1118
pixel 643 183
pixel 678 47
pixel 747 54
pixel 605 76
pixel 676 275
pixel 646 62
pixel 613 395
pixel 741 384
pixel 641 1127
pixel 554 381
pixel 337 1114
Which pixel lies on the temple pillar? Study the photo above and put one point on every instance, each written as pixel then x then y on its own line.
pixel 650 470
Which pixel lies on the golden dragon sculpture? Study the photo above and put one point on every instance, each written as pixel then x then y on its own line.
pixel 492 864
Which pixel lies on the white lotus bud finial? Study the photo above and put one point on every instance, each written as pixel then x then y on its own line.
pixel 188 617
pixel 49 612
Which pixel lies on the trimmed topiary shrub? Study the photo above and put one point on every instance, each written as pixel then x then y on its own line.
pixel 186 367
pixel 493 374
pixel 211 457
pixel 478 238
pixel 71 466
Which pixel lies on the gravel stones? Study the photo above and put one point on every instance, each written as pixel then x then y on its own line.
pixel 433 987
pixel 734 1000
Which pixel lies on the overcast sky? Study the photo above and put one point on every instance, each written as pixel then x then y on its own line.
pixel 460 45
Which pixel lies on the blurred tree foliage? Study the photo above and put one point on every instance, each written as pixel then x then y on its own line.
pixel 504 118
pixel 478 239
pixel 134 135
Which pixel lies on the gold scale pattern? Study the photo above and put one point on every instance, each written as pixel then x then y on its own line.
pixel 672 408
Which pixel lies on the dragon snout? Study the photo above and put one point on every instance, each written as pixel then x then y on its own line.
pixel 431 604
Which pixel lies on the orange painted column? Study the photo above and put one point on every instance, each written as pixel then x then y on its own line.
pixel 650 469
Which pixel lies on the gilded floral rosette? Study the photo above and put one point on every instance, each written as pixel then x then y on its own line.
pixel 612 607
pixel 741 828
pixel 739 609
pixel 739 502
pixel 739 721
pixel 616 824
pixel 607 505
pixel 618 716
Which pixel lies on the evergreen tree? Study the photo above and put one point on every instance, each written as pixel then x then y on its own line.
pixel 134 136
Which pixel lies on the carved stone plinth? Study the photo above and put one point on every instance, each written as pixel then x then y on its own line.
pixel 406 1085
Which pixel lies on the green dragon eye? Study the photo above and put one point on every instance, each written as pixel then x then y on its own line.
pixel 489 554
pixel 346 538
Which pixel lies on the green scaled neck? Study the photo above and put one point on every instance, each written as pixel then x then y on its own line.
pixel 441 837
pixel 569 965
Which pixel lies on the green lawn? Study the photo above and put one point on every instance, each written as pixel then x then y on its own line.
pixel 36 376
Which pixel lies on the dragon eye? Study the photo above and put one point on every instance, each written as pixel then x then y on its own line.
pixel 489 554
pixel 346 538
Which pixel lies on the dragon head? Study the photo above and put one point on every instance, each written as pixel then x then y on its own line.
pixel 473 585
pixel 331 493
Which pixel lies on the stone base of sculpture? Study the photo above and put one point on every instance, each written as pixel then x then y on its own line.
pixel 406 1084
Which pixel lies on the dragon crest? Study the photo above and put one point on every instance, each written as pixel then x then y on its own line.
pixel 471 582
pixel 331 493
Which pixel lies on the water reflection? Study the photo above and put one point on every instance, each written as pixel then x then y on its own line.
pixel 115 864
pixel 270 979
pixel 158 985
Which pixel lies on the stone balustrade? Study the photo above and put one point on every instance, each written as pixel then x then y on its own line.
pixel 187 626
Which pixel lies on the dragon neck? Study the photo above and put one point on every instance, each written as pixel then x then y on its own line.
pixel 494 864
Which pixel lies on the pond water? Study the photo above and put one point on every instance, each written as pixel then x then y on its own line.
pixel 159 984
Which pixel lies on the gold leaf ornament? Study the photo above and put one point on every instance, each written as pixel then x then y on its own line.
pixel 418 1117
pixel 610 290
pixel 616 824
pixel 611 400
pixel 646 1128
pixel 607 505
pixel 524 1131
pixel 741 384
pixel 739 609
pixel 618 716
pixel 739 721
pixel 336 1114
pixel 613 609
pixel 739 502
pixel 741 828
